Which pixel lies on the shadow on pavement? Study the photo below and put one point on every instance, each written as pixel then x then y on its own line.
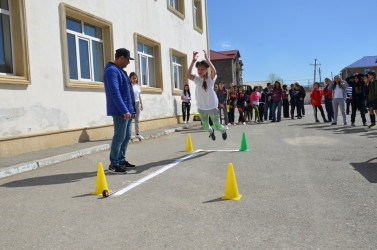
pixel 338 129
pixel 140 168
pixel 367 169
pixel 214 200
pixel 50 180
pixel 191 131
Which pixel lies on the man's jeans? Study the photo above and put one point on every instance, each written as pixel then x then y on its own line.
pixel 122 135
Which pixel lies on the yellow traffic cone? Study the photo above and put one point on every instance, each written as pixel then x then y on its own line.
pixel 101 181
pixel 231 189
pixel 189 144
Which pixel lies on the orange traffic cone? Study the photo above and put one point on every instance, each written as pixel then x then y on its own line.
pixel 231 189
pixel 101 184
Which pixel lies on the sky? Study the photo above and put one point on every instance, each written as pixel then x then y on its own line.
pixel 284 37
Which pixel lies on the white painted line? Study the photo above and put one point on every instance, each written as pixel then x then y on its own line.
pixel 153 174
pixel 220 150
pixel 163 169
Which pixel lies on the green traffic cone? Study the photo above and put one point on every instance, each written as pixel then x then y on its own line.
pixel 244 146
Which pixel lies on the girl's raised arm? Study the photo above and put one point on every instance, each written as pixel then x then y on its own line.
pixel 213 70
pixel 189 71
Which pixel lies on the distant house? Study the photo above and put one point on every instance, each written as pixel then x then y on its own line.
pixel 263 84
pixel 228 66
pixel 363 66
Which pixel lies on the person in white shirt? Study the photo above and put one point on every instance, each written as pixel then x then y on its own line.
pixel 186 104
pixel 339 94
pixel 138 103
pixel 206 98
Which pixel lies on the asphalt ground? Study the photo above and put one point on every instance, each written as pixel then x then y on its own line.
pixel 304 185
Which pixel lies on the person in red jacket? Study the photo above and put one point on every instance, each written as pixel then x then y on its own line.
pixel 316 96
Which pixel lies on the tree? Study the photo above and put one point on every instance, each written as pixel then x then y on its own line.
pixel 273 77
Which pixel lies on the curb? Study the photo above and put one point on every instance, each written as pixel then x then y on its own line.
pixel 28 166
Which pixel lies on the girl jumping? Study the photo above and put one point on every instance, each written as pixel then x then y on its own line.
pixel 206 98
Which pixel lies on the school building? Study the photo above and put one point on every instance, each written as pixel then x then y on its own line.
pixel 52 58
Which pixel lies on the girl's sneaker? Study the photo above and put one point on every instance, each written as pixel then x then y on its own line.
pixel 212 135
pixel 224 135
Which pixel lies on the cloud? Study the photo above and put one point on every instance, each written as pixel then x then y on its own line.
pixel 226 44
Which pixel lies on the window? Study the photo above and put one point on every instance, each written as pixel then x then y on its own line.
pixel 6 61
pixel 87 45
pixel 179 69
pixel 177 7
pixel 85 50
pixel 177 72
pixel 197 15
pixel 14 58
pixel 145 55
pixel 174 4
pixel 148 63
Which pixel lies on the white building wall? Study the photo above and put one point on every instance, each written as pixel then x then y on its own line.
pixel 48 105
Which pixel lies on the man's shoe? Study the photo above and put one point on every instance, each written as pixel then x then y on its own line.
pixel 317 121
pixel 365 124
pixel 334 123
pixel 224 135
pixel 345 124
pixel 128 165
pixel 117 169
pixel 353 124
pixel 212 135
pixel 372 126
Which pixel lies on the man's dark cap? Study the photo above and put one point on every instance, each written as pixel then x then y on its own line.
pixel 123 52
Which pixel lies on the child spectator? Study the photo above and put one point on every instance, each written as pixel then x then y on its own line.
pixel 316 96
pixel 241 99
pixel 254 101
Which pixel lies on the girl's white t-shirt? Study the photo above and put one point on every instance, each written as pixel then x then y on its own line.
pixel 205 100
pixel 137 91
pixel 185 97
pixel 338 92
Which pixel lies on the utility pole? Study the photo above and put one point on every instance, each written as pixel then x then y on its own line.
pixel 315 67
pixel 319 72
pixel 332 78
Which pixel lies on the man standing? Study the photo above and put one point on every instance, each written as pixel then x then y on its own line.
pixel 120 106
pixel 300 95
pixel 302 99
